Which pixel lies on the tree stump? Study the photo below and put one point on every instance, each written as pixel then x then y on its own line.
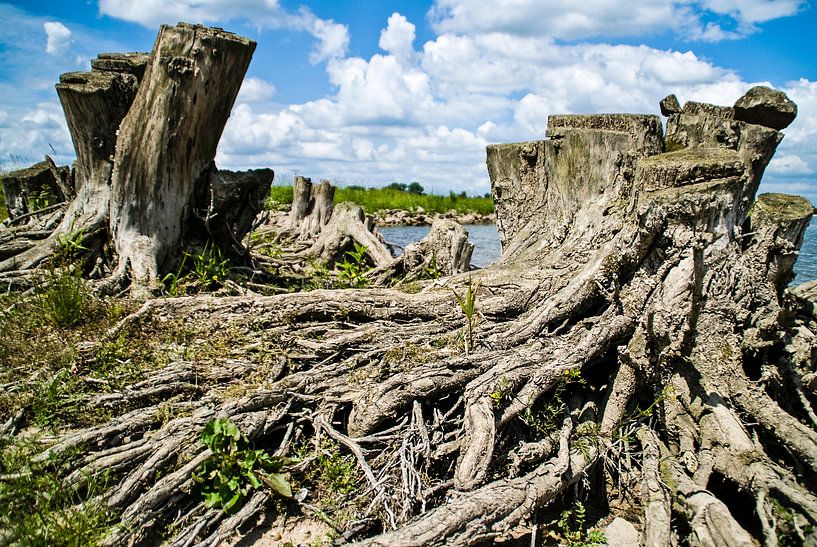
pixel 167 141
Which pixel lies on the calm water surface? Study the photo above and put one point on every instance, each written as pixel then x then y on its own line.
pixel 486 246
pixel 484 237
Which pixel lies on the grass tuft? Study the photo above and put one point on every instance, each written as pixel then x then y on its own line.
pixel 65 300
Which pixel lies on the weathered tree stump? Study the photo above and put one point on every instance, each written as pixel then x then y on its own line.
pixel 349 225
pixel 444 251
pixel 145 129
pixel 167 141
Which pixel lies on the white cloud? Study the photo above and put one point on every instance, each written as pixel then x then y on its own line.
pixel 570 20
pixel 789 164
pixel 796 160
pixel 59 37
pixel 397 37
pixel 255 90
pixel 332 38
pixel 426 112
pixel 27 136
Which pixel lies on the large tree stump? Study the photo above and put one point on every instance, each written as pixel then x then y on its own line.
pixel 168 139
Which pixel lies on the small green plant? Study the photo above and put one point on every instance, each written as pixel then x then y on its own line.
pixel 546 419
pixel 329 474
pixel 572 528
pixel 173 281
pixel 64 299
pixel 209 268
pixel 353 272
pixel 468 306
pixel 234 470
pixel 70 247
pixel 431 270
pixel 500 391
pixel 204 269
pixel 41 199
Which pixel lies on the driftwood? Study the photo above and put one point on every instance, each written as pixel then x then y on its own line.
pixel 641 294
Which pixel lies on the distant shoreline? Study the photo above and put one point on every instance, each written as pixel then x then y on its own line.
pixel 418 217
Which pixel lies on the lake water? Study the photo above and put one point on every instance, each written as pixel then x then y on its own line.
pixel 484 237
pixel 486 246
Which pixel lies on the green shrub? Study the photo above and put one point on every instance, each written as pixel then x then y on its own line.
pixel 3 207
pixel 278 195
pixel 353 272
pixel 573 531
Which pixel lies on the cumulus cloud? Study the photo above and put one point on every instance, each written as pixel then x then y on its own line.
pixel 397 38
pixel 427 113
pixel 332 38
pixel 569 20
pixel 796 158
pixel 59 37
pixel 789 164
pixel 26 136
pixel 255 90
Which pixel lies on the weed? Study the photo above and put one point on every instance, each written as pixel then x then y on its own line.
pixel 330 474
pixel 226 478
pixel 65 299
pixel 500 392
pixel 353 272
pixel 431 270
pixel 70 247
pixel 624 429
pixel 3 206
pixel 572 528
pixel 547 417
pixel 206 269
pixel 41 199
pixel 468 306
pixel 172 281
pixel 210 268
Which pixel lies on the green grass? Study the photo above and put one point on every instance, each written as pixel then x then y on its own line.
pixel 3 212
pixel 35 506
pixel 378 199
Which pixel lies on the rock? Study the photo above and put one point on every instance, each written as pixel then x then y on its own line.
pixel 765 106
pixel 670 105
pixel 621 533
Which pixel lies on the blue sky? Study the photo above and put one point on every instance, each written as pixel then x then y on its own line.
pixel 373 92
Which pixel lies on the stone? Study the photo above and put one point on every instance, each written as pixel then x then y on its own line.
pixel 670 105
pixel 765 106
pixel 621 533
